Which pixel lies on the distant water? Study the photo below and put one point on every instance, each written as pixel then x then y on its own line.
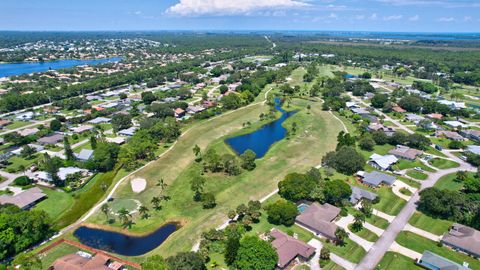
pixel 260 140
pixel 124 244
pixel 15 69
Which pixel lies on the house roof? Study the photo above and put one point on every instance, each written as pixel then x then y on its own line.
pixel 475 149
pixel 440 262
pixel 77 262
pixel 464 237
pixel 28 131
pixel 85 154
pixel 25 198
pixel 359 193
pixel 454 123
pixel 376 178
pixel 52 139
pixel 288 248
pixel 383 161
pixel 405 152
pixel 82 128
pixel 99 120
pixel 449 134
pixel 128 132
pixel 318 217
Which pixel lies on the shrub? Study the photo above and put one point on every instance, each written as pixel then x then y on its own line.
pixel 22 181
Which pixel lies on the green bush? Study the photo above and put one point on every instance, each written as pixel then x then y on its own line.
pixel 22 181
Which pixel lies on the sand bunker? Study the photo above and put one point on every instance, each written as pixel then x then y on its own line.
pixel 138 184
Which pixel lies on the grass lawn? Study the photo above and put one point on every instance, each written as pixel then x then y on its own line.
pixel 350 250
pixel 317 129
pixel 409 182
pixel 378 149
pixel 420 244
pixel 403 164
pixel 365 234
pixel 434 151
pixel 395 261
pixel 448 181
pixel 429 224
pixel 18 124
pixel 373 219
pixel 389 202
pixel 443 163
pixel 17 162
pixel 56 203
pixel 332 266
pixel 217 261
pixel 417 174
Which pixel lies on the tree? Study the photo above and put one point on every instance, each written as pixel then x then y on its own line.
pixel 231 102
pixel 366 208
pixel 148 97
pixel 231 214
pixel 93 142
pixel 124 216
pixel 324 253
pixel 196 185
pixel 296 186
pixel 68 149
pixel 346 160
pixel 51 167
pixel 161 183
pixel 341 235
pixel 208 200
pixel 255 253
pixel 143 211
pixel 379 100
pixel 28 262
pixel 27 151
pixel 231 249
pixel 55 125
pixel 121 121
pixel 155 262
pixel 282 212
pixel 186 261
pixel 197 152
pixel 337 190
pixel 344 139
pixel 366 142
pixel 212 160
pixel 104 157
pixel 105 210
pixel 161 110
pixel 411 103
pixel 156 203
pixel 359 219
pixel 248 160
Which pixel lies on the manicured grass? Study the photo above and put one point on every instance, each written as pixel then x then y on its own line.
pixel 119 204
pixel 403 164
pixel 350 250
pixel 389 202
pixel 373 219
pixel 17 161
pixel 56 203
pixel 433 151
pixel 217 261
pixel 59 251
pixel 395 261
pixel 448 181
pixel 332 266
pixel 365 234
pixel 378 149
pixel 417 174
pixel 317 129
pixel 429 224
pixel 409 182
pixel 443 163
pixel 420 244
pixel 18 124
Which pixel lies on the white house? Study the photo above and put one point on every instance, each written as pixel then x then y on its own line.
pixel 382 162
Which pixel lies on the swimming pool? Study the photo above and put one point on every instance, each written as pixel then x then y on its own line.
pixel 302 207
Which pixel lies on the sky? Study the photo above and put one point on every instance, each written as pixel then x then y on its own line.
pixel 314 15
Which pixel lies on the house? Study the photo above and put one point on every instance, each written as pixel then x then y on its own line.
pixel 359 194
pixel 398 109
pixel 128 132
pixel 99 120
pixel 375 179
pixel 389 131
pixel 471 134
pixel 51 109
pixel 451 135
pixel 82 129
pixel 208 104
pixel 4 122
pixel 474 149
pixel 463 238
pixel 435 116
pixel 25 199
pixel 455 124
pixel 289 248
pixel 116 140
pixel 433 261
pixel 84 261
pixel 318 218
pixel 351 104
pixel 405 152
pixel 382 162
pixel 25 116
pixel 360 111
pixel 195 109
pixel 453 105
pixel 51 139
pixel 28 131
pixel 179 112
pixel 414 117
pixel 63 173
pixel 85 154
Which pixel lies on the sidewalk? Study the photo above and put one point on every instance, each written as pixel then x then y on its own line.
pixel 334 257
pixel 344 222
pixel 395 247
pixel 398 185
pixel 422 233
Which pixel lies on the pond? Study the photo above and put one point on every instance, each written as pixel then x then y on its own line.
pixel 261 139
pixel 123 244
pixel 15 69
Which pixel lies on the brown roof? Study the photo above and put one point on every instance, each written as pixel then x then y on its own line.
pixel 77 262
pixel 52 139
pixel 23 199
pixel 318 217
pixel 448 134
pixel 405 152
pixel 4 122
pixel 463 237
pixel 435 116
pixel 288 248
pixel 398 109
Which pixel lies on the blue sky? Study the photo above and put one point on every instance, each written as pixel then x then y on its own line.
pixel 345 15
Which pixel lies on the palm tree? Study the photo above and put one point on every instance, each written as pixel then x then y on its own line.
pixel 124 215
pixel 461 176
pixel 341 235
pixel 161 183
pixel 156 203
pixel 165 198
pixel 143 210
pixel 105 209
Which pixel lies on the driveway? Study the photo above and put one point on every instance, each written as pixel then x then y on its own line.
pixel 335 258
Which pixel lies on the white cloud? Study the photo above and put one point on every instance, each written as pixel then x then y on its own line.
pixel 446 19
pixel 414 18
pixel 373 16
pixel 230 7
pixel 137 12
pixel 392 17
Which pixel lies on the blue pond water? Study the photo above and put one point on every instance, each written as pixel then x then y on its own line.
pixel 261 139
pixel 123 244
pixel 15 69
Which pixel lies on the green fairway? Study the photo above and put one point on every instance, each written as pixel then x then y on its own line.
pixel 394 261
pixel 317 129
pixel 429 224
pixel 443 163
pixel 56 203
pixel 389 202
pixel 449 181
pixel 417 174
pixel 420 244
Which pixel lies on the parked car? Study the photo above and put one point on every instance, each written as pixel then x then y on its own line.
pixel 464 158
pixel 418 169
pixel 438 147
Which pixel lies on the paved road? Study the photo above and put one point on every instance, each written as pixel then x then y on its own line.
pixel 36 123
